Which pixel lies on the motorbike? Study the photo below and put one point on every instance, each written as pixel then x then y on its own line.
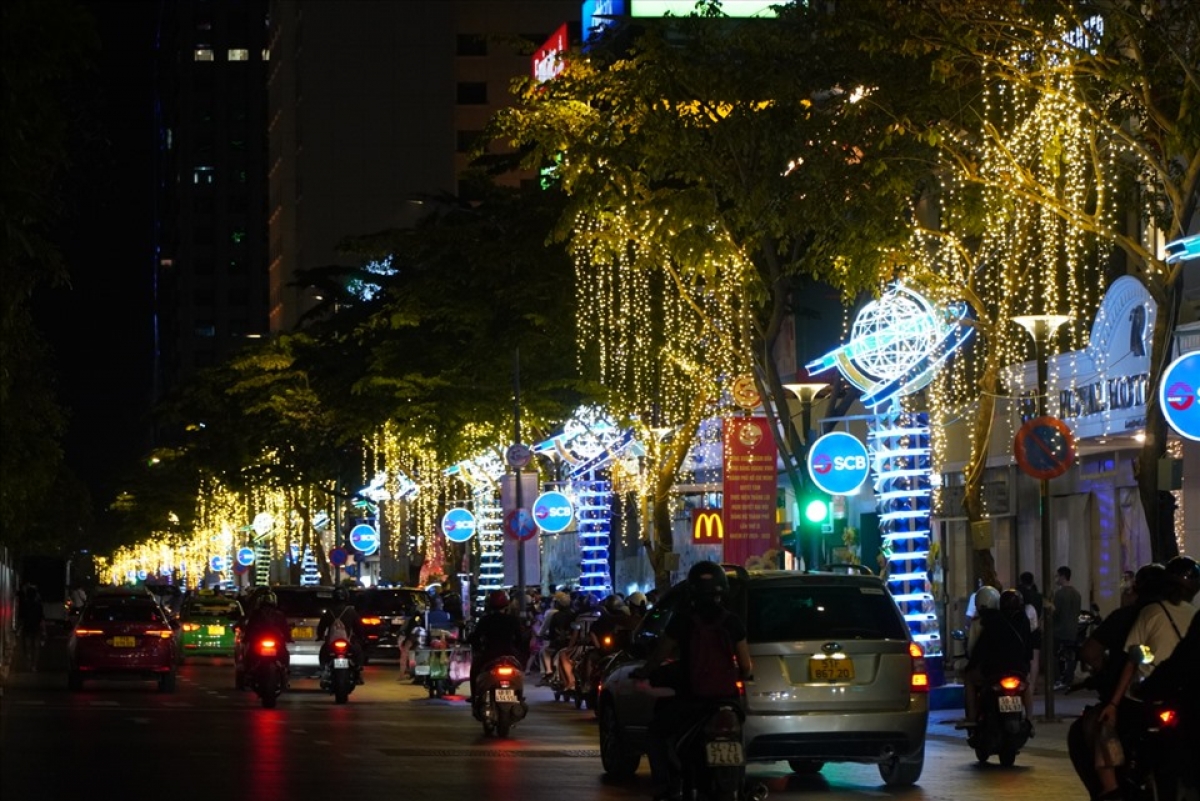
pixel 267 675
pixel 1160 758
pixel 712 755
pixel 499 700
pixel 1001 728
pixel 340 675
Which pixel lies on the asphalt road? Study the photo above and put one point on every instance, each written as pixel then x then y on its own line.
pixel 209 741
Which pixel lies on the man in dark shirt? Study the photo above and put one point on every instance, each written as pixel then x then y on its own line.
pixel 497 634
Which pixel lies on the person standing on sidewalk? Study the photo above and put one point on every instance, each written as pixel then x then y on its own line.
pixel 1065 616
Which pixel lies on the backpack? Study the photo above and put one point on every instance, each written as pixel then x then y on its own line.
pixel 712 670
pixel 337 629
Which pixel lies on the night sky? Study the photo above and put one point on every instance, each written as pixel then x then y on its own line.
pixel 100 327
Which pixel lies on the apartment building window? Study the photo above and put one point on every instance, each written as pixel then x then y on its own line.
pixel 203 54
pixel 203 175
pixel 266 54
pixel 471 44
pixel 239 54
pixel 472 93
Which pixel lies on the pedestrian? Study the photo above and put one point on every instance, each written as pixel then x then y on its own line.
pixel 1065 619
pixel 30 624
pixel 1033 610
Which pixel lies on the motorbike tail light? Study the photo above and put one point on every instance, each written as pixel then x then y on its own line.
pixel 267 647
pixel 725 723
pixel 372 621
pixel 741 687
pixel 920 679
pixel 504 670
pixel 1010 683
pixel 1168 717
pixel 607 641
pixel 340 645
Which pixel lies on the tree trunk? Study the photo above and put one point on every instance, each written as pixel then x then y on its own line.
pixel 670 459
pixel 983 563
pixel 1163 545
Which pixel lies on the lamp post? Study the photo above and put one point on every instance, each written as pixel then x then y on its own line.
pixel 1041 327
pixel 806 392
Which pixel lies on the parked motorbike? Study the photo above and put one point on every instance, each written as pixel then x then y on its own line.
pixel 340 674
pixel 499 700
pixel 1001 728
pixel 267 675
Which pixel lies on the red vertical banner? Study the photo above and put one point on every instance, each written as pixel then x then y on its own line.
pixel 750 489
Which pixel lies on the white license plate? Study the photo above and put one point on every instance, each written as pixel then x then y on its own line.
pixel 341 662
pixel 724 753
pixel 1011 703
pixel 506 696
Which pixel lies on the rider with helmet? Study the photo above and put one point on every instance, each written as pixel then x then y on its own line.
pixel 637 605
pixel 341 609
pixel 695 690
pixel 1004 645
pixel 555 631
pixel 266 619
pixel 497 634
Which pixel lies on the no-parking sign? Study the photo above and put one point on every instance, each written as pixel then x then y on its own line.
pixel 838 463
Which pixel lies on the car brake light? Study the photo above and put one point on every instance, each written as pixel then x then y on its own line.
pixel 1168 717
pixel 163 633
pixel 920 679
pixel 1010 683
pixel 191 626
pixel 87 632
pixel 372 621
pixel 340 645
pixel 741 687
pixel 505 670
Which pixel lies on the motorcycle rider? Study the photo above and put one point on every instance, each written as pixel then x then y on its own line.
pixel 1004 645
pixel 497 634
pixel 266 620
pixel 672 715
pixel 341 609
pixel 585 614
pixel 985 598
pixel 555 632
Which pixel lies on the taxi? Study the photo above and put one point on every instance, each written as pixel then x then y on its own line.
pixel 207 625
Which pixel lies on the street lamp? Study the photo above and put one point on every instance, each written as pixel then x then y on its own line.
pixel 806 392
pixel 1041 327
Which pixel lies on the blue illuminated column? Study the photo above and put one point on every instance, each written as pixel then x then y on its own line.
pixel 489 528
pixel 595 517
pixel 262 563
pixel 309 575
pixel 901 457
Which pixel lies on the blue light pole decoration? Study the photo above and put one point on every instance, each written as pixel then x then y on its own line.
pixel 897 344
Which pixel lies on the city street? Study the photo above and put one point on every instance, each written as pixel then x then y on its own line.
pixel 209 741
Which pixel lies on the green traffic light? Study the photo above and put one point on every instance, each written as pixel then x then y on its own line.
pixel 816 510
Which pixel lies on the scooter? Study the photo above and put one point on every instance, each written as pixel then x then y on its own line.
pixel 712 754
pixel 267 675
pixel 1002 728
pixel 340 675
pixel 499 700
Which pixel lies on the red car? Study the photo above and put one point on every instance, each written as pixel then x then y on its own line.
pixel 122 635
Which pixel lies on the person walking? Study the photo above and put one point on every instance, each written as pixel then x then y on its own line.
pixel 1065 619
pixel 1033 609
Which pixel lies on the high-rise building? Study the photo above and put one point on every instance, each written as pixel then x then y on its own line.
pixel 373 105
pixel 210 212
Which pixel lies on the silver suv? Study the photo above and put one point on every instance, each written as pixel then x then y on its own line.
pixel 837 677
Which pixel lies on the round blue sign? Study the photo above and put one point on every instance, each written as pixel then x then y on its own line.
pixel 1177 395
pixel 838 463
pixel 217 564
pixel 552 512
pixel 364 539
pixel 245 557
pixel 458 525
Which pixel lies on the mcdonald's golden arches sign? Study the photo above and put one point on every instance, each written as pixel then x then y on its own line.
pixel 707 527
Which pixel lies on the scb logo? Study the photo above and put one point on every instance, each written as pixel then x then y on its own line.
pixel 1180 396
pixel 542 512
pixel 822 464
pixel 838 463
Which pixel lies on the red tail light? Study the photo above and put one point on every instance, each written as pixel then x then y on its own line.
pixel 267 647
pixel 607 641
pixel 191 626
pixel 340 645
pixel 163 633
pixel 87 632
pixel 741 685
pixel 504 670
pixel 920 679
pixel 1169 717
pixel 1010 683
pixel 725 723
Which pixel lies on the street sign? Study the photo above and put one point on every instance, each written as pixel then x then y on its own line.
pixel 338 556
pixel 552 512
pixel 458 525
pixel 838 463
pixel 240 569
pixel 519 524
pixel 364 539
pixel 1044 447
pixel 518 455
pixel 1177 395
pixel 745 394
pixel 217 564
pixel 245 557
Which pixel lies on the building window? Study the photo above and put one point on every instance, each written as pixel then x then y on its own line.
pixel 266 54
pixel 472 93
pixel 203 175
pixel 466 140
pixel 471 44
pixel 203 54
pixel 238 54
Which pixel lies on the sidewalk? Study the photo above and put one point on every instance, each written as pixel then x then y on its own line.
pixel 1049 738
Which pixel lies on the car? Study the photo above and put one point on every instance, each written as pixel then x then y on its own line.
pixel 207 625
pixel 386 613
pixel 122 635
pixel 303 606
pixel 837 676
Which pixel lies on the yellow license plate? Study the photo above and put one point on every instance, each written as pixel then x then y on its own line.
pixel 216 631
pixel 303 633
pixel 124 642
pixel 831 670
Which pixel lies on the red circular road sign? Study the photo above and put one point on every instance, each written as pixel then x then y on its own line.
pixel 519 524
pixel 1045 448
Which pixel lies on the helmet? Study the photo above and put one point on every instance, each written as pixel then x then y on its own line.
pixel 562 600
pixel 1149 582
pixel 497 600
pixel 1183 570
pixel 986 597
pixel 1011 601
pixel 268 599
pixel 615 606
pixel 637 601
pixel 340 594
pixel 708 578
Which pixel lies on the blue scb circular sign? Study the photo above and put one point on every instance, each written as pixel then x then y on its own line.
pixel 217 564
pixel 364 539
pixel 245 557
pixel 1177 395
pixel 458 525
pixel 552 512
pixel 838 463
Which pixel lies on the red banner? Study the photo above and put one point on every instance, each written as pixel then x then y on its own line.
pixel 750 480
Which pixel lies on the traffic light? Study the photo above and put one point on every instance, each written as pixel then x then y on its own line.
pixel 816 509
